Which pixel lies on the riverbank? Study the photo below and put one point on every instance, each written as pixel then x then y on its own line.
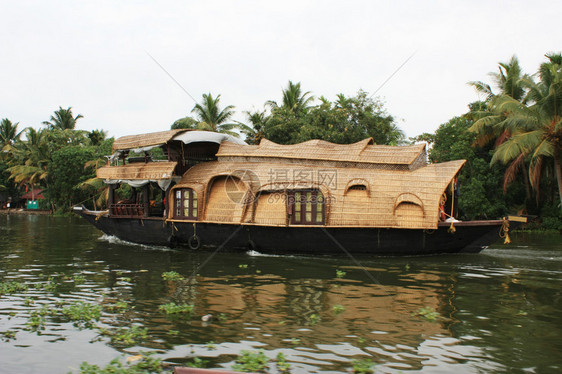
pixel 24 212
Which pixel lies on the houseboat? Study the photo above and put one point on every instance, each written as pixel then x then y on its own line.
pixel 202 189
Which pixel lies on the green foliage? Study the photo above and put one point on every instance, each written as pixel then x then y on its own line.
pixel 8 335
pixel 428 313
pixel 251 361
pixel 197 363
pixel 338 309
pixel 184 123
pixel 82 314
pixel 176 309
pixel 480 184
pixel 66 171
pixel 340 273
pixel 36 322
pixel 348 120
pixel 118 307
pixel 363 366
pixel 63 119
pixel 146 364
pixel 313 319
pixel 126 337
pixel 282 365
pixel 7 288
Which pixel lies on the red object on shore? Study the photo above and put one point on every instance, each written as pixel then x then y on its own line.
pixel 33 194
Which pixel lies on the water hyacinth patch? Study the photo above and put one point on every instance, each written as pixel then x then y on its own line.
pixel 363 366
pixel 251 361
pixel 126 337
pixel 82 314
pixel 176 309
pixel 133 365
pixel 172 276
pixel 428 313
pixel 8 288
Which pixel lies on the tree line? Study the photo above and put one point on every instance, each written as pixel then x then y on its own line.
pixel 511 140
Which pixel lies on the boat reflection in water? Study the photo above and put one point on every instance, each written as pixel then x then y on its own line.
pixel 318 320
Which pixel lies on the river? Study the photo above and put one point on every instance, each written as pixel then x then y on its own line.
pixel 494 312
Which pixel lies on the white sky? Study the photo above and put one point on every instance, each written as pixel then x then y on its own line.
pixel 92 55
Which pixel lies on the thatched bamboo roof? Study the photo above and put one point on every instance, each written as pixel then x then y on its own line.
pixel 138 171
pixel 363 152
pixel 354 197
pixel 145 140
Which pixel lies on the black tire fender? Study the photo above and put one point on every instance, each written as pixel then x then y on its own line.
pixel 194 242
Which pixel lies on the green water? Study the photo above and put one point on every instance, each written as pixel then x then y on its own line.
pixel 498 311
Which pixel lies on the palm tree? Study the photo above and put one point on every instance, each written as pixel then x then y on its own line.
pixel 536 129
pixel 8 132
pixel 212 118
pixel 491 122
pixel 63 119
pixel 294 99
pixel 509 82
pixel 30 159
pixel 254 132
pixel 97 136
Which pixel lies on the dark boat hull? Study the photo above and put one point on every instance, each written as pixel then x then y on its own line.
pixel 469 237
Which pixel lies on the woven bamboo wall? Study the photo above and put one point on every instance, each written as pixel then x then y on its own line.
pixel 145 140
pixel 393 199
pixel 138 171
pixel 271 208
pixel 315 150
pixel 225 201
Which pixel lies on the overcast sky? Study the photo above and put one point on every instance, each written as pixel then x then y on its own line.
pixel 94 56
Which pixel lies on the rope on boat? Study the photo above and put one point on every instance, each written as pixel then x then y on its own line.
pixel 101 214
pixel 452 229
pixel 504 231
pixel 194 242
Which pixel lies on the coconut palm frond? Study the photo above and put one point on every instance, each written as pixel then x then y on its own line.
pixel 544 149
pixel 513 147
pixel 535 174
pixel 512 171
pixel 483 88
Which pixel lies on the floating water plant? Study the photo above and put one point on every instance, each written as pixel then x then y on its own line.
pixel 118 307
pixel 337 309
pixel 363 366
pixel 282 365
pixel 7 288
pixel 251 361
pixel 82 314
pixel 8 335
pixel 243 266
pixel 172 276
pixel 222 317
pixel 145 364
pixel 78 279
pixel 126 336
pixel 36 322
pixel 176 309
pixel 313 319
pixel 197 363
pixel 428 313
pixel 340 273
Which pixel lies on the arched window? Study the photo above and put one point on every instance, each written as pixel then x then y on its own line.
pixel 306 207
pixel 185 204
